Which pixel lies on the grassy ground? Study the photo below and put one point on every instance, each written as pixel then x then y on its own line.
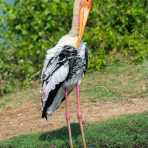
pixel 115 82
pixel 124 132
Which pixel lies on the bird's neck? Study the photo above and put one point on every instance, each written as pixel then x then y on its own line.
pixel 76 19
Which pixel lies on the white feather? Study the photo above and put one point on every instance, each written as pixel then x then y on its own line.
pixel 59 76
pixel 65 40
pixel 56 50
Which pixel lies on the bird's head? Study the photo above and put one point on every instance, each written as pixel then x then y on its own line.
pixel 85 7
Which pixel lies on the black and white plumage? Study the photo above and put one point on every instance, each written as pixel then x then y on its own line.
pixel 64 67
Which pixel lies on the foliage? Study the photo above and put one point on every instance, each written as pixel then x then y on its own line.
pixel 30 27
pixel 129 131
pixel 118 26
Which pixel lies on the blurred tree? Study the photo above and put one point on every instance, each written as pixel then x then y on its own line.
pixel 30 27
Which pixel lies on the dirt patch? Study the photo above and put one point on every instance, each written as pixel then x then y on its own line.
pixel 27 118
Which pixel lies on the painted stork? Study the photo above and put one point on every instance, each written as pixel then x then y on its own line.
pixel 64 67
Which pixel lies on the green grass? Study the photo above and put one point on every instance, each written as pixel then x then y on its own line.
pixel 15 99
pixel 125 132
pixel 117 81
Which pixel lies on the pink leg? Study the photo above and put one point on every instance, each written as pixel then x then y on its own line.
pixel 79 114
pixel 67 116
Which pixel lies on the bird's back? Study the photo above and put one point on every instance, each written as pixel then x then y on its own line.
pixel 64 69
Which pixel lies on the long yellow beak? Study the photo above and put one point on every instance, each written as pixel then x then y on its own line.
pixel 84 13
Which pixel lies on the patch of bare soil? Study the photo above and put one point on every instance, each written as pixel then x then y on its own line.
pixel 27 118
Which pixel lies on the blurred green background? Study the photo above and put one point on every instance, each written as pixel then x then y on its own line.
pixel 116 30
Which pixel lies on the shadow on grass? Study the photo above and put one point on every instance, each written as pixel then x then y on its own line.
pixel 54 139
pixel 62 134
pixel 125 132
